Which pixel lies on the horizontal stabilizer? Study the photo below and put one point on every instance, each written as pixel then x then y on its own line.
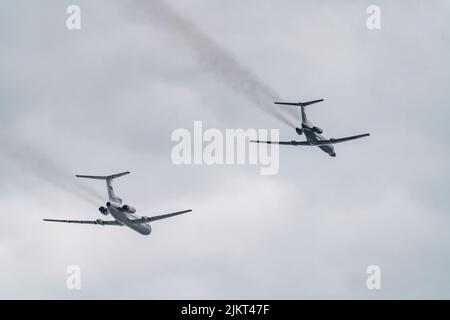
pixel 111 177
pixel 289 103
pixel 299 104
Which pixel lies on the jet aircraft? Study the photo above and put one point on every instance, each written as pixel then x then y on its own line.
pixel 124 215
pixel 312 133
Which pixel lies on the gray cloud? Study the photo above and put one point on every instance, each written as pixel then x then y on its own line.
pixel 38 163
pixel 214 58
pixel 107 98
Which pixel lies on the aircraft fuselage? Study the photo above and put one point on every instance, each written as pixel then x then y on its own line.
pixel 127 218
pixel 315 139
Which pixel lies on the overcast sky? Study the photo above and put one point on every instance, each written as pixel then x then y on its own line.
pixel 106 99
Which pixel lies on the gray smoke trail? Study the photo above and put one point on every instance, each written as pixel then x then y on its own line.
pixel 216 59
pixel 40 165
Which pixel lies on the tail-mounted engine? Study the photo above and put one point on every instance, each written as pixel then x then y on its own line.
pixel 128 209
pixel 103 211
pixel 317 130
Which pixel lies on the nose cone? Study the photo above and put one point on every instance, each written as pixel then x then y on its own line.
pixel 146 230
pixel 333 154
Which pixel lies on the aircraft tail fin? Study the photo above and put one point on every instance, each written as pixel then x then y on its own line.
pixel 302 105
pixel 112 197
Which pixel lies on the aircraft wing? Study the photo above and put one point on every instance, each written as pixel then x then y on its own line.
pixel 98 221
pixel 333 141
pixel 163 216
pixel 289 143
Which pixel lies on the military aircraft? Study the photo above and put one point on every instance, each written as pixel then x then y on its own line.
pixel 124 215
pixel 312 133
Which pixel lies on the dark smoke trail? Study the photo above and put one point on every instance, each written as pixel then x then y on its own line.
pixel 216 59
pixel 40 165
